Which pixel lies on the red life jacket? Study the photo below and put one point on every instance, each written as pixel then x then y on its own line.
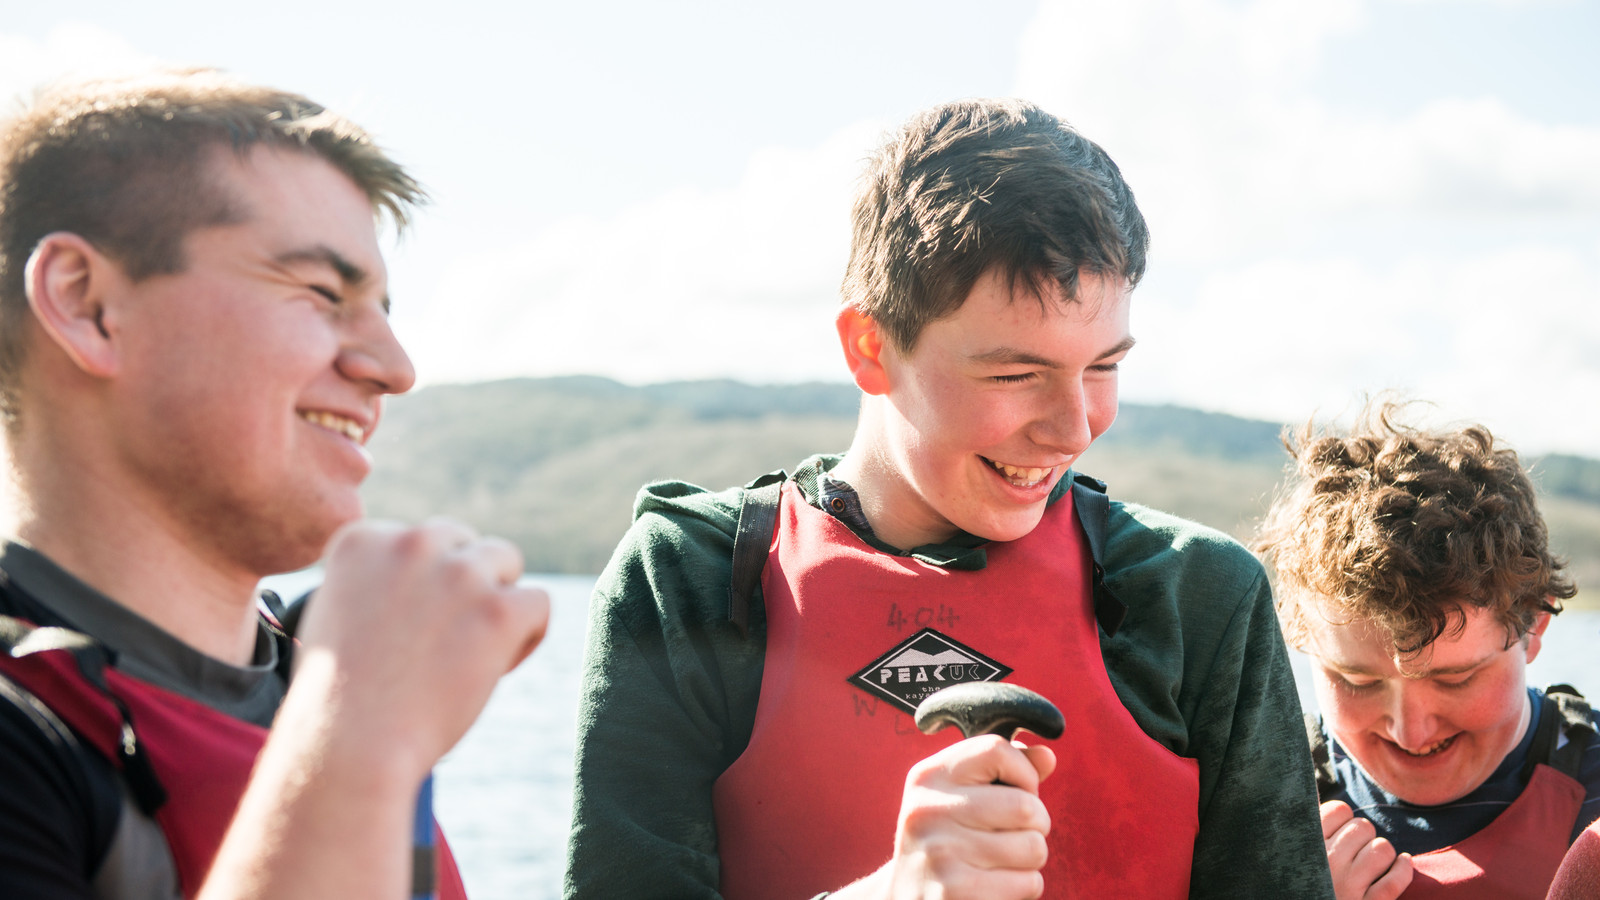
pixel 856 637
pixel 1515 857
pixel 184 762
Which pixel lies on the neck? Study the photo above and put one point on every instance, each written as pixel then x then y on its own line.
pixel 131 549
pixel 891 506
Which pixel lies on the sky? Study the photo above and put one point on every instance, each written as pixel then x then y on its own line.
pixel 1345 196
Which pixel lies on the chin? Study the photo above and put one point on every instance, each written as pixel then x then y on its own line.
pixel 1433 795
pixel 300 544
pixel 1008 529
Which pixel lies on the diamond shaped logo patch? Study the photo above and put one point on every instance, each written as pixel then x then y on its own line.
pixel 922 664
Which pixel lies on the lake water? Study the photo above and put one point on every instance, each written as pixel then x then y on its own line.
pixel 504 794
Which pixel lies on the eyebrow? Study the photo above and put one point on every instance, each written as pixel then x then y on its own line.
pixel 1344 669
pixel 349 273
pixel 1014 356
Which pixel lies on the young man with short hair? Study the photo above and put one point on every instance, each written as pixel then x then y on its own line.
pixel 757 743
pixel 1412 567
pixel 194 348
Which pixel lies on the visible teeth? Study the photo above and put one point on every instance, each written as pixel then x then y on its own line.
pixel 1019 475
pixel 1432 748
pixel 347 427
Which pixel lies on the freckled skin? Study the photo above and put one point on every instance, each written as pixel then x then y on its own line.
pixel 1429 727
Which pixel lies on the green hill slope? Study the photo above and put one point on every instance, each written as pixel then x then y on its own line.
pixel 553 464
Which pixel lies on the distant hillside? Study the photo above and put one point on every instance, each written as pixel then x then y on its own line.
pixel 553 464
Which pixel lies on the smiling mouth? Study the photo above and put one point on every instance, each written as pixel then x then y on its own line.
pixel 1021 476
pixel 1431 749
pixel 337 424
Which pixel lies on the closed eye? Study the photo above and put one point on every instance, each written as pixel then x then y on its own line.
pixel 1355 686
pixel 327 294
pixel 1012 379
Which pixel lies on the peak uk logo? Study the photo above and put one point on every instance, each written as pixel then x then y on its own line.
pixel 922 664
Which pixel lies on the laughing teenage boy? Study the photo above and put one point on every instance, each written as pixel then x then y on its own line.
pixel 763 750
pixel 194 346
pixel 1413 568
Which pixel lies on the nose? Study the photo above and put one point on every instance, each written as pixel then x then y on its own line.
pixel 1412 723
pixel 1063 425
pixel 371 353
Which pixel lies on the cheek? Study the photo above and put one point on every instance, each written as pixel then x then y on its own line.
pixel 966 422
pixel 1495 706
pixel 1102 403
pixel 1346 713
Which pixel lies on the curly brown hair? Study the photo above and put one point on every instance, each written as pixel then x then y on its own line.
pixel 1406 527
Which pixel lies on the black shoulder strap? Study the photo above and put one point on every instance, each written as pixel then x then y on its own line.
pixel 1564 712
pixel 19 639
pixel 1093 507
pixel 758 516
pixel 1321 759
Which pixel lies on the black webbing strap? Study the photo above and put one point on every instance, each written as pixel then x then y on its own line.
pixel 758 516
pixel 1564 712
pixel 19 638
pixel 1321 759
pixel 1093 508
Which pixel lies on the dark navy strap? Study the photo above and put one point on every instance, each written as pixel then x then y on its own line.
pixel 1321 759
pixel 1092 507
pixel 20 638
pixel 758 518
pixel 1564 712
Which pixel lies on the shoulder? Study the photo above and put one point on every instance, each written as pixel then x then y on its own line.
pixel 1152 550
pixel 675 563
pixel 684 524
pixel 678 506
pixel 676 558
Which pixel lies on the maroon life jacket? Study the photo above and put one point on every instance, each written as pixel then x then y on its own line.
pixel 185 763
pixel 1515 857
pixel 855 636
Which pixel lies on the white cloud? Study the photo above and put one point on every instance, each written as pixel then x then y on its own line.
pixel 689 283
pixel 1324 250
pixel 1509 338
pixel 1204 104
pixel 78 49
pixel 1510 4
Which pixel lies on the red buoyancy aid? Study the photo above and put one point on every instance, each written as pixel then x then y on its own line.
pixel 1515 857
pixel 184 762
pixel 811 804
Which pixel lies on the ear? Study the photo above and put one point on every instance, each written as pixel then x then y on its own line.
pixel 1535 635
pixel 863 344
pixel 67 282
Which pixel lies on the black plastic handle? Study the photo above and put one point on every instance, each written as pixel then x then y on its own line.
pixel 990 707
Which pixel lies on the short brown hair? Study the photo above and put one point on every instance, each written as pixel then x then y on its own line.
pixel 1406 528
pixel 978 184
pixel 122 163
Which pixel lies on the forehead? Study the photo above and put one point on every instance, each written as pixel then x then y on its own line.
pixel 291 200
pixel 998 308
pixel 1357 646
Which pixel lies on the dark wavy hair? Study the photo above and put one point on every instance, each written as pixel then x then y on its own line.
pixel 976 185
pixel 1407 528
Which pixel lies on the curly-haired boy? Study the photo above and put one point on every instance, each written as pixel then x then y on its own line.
pixel 1413 568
